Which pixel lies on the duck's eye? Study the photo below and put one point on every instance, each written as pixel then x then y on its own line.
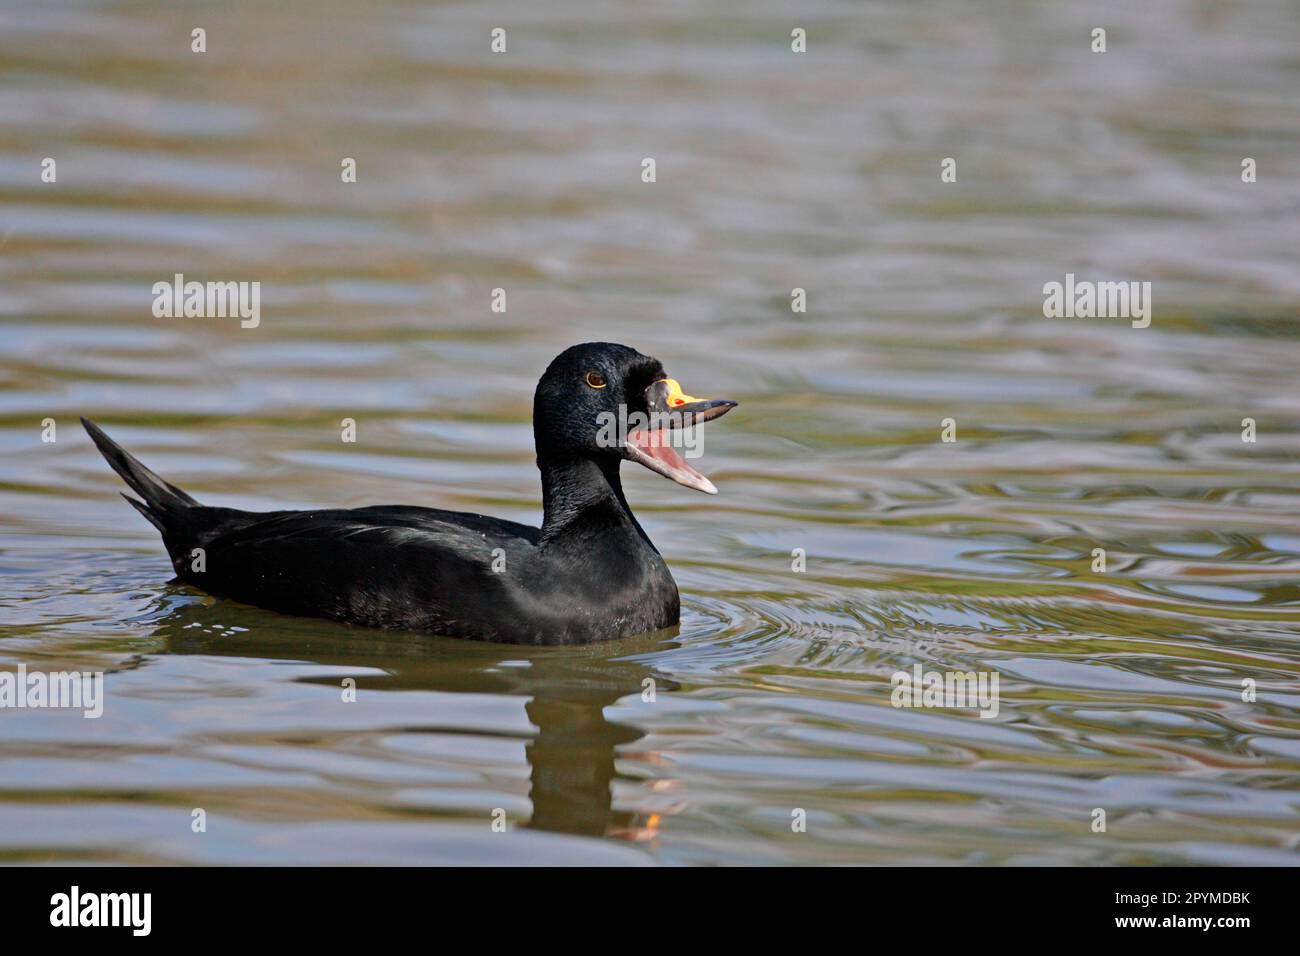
pixel 596 380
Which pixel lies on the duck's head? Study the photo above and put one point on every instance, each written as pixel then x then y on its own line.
pixel 607 402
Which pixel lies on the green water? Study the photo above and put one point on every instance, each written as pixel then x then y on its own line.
pixel 1120 690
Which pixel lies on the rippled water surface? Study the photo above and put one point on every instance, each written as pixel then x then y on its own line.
pixel 1120 690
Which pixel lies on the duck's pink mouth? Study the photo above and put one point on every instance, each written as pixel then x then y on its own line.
pixel 654 450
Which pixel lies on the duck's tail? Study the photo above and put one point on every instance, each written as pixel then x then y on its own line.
pixel 165 505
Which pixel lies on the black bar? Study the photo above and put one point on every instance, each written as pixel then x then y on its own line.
pixel 239 904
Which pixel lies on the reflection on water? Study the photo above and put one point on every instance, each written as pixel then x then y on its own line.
pixel 1120 689
pixel 570 742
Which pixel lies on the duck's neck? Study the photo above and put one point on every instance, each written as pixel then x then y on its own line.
pixel 581 497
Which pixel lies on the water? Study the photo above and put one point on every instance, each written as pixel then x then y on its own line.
pixel 1120 691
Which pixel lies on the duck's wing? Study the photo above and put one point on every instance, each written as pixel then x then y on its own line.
pixel 388 566
pixel 439 521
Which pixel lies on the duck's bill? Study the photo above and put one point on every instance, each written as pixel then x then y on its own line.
pixel 672 409
pixel 667 402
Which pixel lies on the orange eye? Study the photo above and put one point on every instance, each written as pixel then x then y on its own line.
pixel 596 380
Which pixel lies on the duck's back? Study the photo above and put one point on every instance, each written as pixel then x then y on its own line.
pixel 391 566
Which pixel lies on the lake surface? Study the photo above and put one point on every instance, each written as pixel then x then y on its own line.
pixel 1120 690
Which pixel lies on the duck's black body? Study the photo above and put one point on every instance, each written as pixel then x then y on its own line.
pixel 588 574
pixel 421 569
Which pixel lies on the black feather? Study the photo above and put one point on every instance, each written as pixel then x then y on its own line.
pixel 159 496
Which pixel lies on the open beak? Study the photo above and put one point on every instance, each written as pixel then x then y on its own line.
pixel 672 409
